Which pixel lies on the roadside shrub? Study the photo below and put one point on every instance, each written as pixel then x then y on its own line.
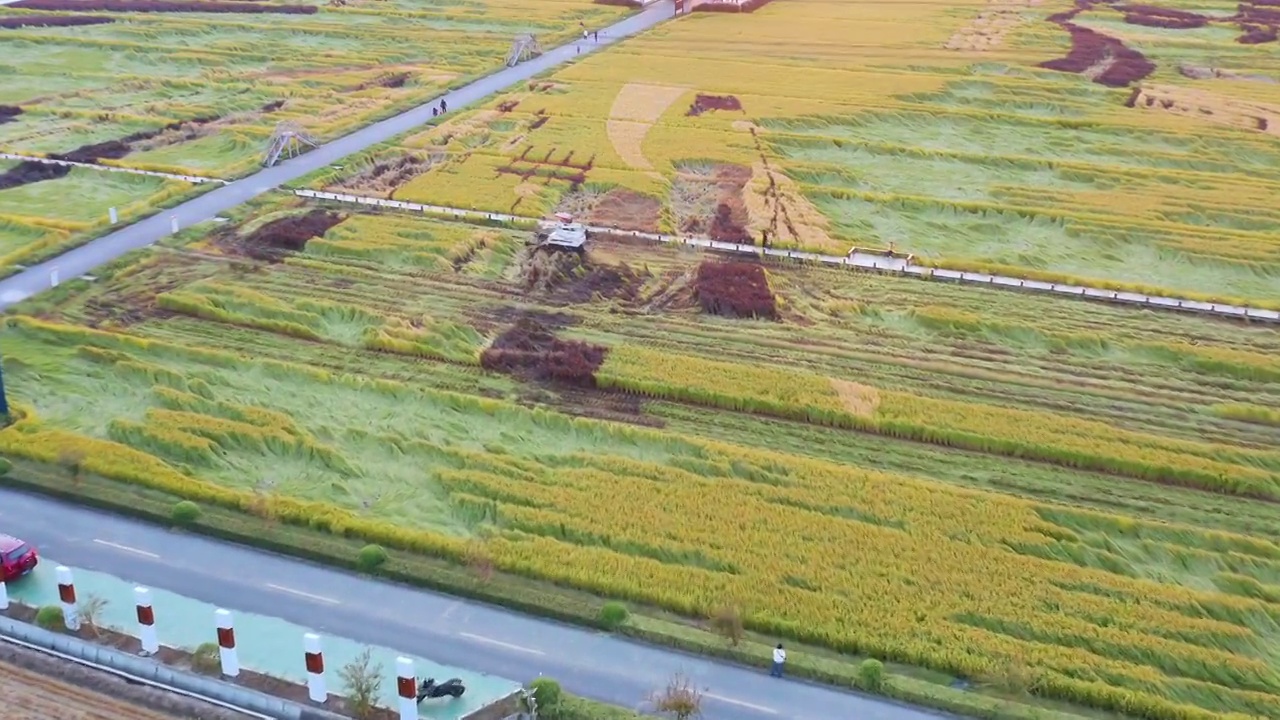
pixel 871 674
pixel 185 513
pixel 612 615
pixel 371 557
pixel 50 617
pixel 546 692
pixel 5 467
pixel 206 658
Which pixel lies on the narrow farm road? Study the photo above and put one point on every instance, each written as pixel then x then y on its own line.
pixel 100 251
pixel 442 628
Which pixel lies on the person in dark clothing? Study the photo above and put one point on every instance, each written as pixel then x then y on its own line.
pixel 444 107
pixel 435 112
pixel 595 36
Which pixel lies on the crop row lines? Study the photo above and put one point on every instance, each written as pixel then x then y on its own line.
pixel 891 373
pixel 863 261
pixel 1050 373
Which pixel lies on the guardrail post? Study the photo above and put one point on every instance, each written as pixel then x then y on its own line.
pixel 113 215
pixel 4 596
pixel 226 643
pixel 173 223
pixel 53 278
pixel 146 621
pixel 315 668
pixel 407 685
pixel 67 596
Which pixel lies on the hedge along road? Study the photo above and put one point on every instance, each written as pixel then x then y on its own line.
pixel 100 251
pixel 436 627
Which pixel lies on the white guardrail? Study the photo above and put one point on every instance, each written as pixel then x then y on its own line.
pixel 152 674
pixel 875 262
pixel 111 168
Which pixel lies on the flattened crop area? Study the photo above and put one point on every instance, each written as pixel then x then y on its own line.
pixel 987 484
pixel 1087 141
pixel 28 695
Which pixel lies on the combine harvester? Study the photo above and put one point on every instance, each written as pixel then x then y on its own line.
pixel 565 235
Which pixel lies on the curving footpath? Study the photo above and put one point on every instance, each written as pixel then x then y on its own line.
pixel 437 627
pixel 100 251
pixel 873 261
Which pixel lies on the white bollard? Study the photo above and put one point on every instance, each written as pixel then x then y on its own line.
pixel 53 278
pixel 67 595
pixel 146 621
pixel 173 223
pixel 407 684
pixel 4 596
pixel 315 668
pixel 226 643
pixel 115 218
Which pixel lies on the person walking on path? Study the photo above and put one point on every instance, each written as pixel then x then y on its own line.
pixel 444 106
pixel 595 36
pixel 779 658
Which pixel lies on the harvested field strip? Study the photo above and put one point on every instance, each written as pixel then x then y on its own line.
pixel 990 429
pixel 1022 478
pixel 900 355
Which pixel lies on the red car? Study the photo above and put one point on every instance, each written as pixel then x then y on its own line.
pixel 16 558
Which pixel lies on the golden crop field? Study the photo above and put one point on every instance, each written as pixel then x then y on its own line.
pixel 1146 159
pixel 193 87
pixel 972 481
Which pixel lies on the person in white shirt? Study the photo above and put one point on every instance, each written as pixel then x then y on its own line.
pixel 779 657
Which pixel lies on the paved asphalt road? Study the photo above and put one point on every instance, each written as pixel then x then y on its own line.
pixel 85 258
pixel 448 630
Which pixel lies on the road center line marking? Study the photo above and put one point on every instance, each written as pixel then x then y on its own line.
pixel 307 595
pixel 742 703
pixel 509 646
pixel 128 549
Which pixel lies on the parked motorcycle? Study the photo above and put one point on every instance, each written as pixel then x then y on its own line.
pixel 449 688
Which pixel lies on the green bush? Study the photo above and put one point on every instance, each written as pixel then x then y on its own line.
pixel 612 615
pixel 207 658
pixel 871 674
pixel 50 617
pixel 185 513
pixel 371 557
pixel 547 693
pixel 5 465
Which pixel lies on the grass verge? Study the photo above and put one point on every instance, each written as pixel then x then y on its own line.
pixel 903 683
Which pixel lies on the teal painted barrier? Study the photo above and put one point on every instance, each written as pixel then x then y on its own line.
pixel 265 644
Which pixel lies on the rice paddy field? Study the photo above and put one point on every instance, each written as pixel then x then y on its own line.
pixel 1124 146
pixel 977 482
pixel 196 87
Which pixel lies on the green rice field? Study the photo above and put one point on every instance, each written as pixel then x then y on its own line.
pixel 376 383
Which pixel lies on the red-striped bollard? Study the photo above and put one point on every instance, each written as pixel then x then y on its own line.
pixel 67 596
pixel 407 684
pixel 315 668
pixel 4 596
pixel 226 643
pixel 146 621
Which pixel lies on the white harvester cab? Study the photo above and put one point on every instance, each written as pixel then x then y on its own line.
pixel 563 234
